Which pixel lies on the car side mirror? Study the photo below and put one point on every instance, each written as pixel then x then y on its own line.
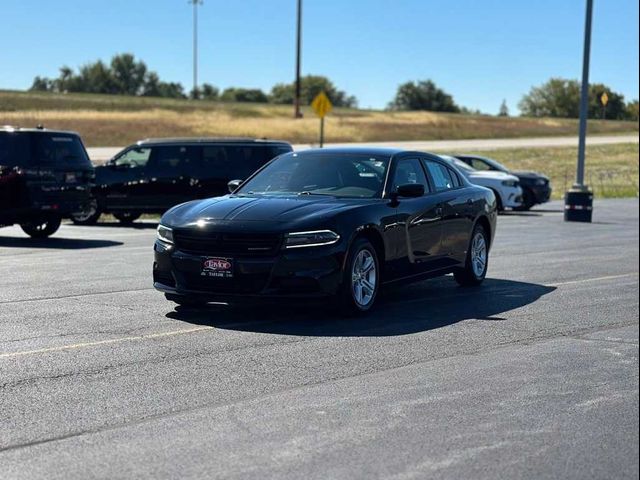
pixel 410 190
pixel 233 185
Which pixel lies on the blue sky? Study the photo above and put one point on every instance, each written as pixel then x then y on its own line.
pixel 479 51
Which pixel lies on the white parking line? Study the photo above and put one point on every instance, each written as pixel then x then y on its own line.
pixel 105 342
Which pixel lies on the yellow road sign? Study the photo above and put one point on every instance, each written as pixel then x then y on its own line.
pixel 604 98
pixel 321 105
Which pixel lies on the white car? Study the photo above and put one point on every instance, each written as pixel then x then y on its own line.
pixel 505 186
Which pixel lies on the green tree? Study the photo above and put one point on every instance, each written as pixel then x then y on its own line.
pixel 94 78
pixel 195 93
pixel 560 97
pixel 252 95
pixel 310 86
pixel 41 84
pixel 632 110
pixel 423 95
pixel 128 74
pixel 504 110
pixel 616 108
pixel 209 92
pixel 171 90
pixel 61 84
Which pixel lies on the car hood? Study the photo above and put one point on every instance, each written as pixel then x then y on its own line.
pixel 529 174
pixel 259 212
pixel 491 175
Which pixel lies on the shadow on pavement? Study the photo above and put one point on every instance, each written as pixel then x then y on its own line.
pixel 515 213
pixel 415 308
pixel 56 243
pixel 134 225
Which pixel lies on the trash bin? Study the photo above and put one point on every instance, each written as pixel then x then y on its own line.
pixel 578 205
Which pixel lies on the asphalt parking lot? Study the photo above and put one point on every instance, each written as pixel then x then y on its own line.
pixel 533 375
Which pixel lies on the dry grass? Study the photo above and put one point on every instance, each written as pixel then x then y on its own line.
pixel 105 120
pixel 611 170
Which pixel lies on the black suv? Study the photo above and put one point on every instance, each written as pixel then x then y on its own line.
pixel 45 175
pixel 154 175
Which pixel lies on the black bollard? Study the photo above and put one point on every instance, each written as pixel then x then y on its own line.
pixel 578 205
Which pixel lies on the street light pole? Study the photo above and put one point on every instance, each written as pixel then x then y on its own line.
pixel 195 4
pixel 579 200
pixel 296 101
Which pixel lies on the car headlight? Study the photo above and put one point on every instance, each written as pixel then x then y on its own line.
pixel 315 238
pixel 165 234
pixel 541 181
pixel 510 183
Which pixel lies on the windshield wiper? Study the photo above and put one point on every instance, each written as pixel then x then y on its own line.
pixel 306 192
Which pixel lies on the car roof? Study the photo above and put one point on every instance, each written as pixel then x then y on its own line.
pixel 12 129
pixel 381 151
pixel 200 140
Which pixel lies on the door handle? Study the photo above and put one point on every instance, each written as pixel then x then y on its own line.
pixel 439 211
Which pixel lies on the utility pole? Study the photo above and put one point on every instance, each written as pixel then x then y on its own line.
pixel 296 100
pixel 579 200
pixel 195 4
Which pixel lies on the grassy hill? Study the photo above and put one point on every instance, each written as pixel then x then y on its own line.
pixel 105 120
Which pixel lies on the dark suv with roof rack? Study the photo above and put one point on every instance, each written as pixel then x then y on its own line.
pixel 153 175
pixel 45 176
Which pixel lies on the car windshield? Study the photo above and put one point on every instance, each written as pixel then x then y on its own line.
pixel 335 174
pixel 458 163
pixel 495 164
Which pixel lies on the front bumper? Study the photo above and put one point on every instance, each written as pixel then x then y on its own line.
pixel 541 193
pixel 61 200
pixel 511 197
pixel 312 272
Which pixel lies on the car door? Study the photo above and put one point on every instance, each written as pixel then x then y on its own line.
pixel 457 204
pixel 420 219
pixel 221 163
pixel 168 176
pixel 120 180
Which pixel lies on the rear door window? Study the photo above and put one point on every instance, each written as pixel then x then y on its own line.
pixel 440 175
pixel 58 150
pixel 232 162
pixel 173 160
pixel 14 150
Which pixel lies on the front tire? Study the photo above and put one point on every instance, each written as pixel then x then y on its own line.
pixel 42 228
pixel 361 279
pixel 475 269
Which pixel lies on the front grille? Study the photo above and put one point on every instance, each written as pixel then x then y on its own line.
pixel 234 244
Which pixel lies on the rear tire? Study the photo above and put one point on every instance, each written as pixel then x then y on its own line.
pixel 477 262
pixel 127 218
pixel 361 279
pixel 42 228
pixel 90 217
pixel 183 301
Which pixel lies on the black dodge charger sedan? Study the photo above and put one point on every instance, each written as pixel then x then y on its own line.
pixel 327 223
pixel 536 187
